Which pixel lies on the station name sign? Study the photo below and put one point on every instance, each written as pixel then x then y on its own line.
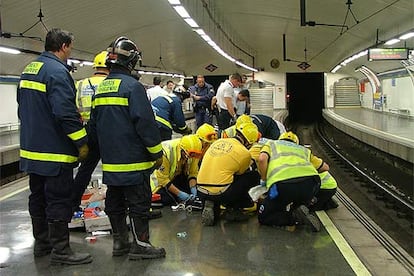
pixel 387 54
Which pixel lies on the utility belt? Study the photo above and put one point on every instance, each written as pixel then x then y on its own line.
pixel 207 192
pixel 198 108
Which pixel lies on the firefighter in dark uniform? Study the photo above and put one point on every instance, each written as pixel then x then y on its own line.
pixel 267 126
pixel 169 116
pixel 130 147
pixel 52 141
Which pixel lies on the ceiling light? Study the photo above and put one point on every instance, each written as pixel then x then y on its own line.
pixel 9 50
pixel 181 11
pixel 191 22
pixel 174 2
pixel 407 35
pixel 392 41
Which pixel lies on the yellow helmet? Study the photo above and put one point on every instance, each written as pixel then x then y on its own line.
pixel 207 133
pixel 249 132
pixel 289 136
pixel 243 119
pixel 191 145
pixel 100 59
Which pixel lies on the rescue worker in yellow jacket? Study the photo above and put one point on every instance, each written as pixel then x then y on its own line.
pixel 290 172
pixel 224 177
pixel 86 88
pixel 175 180
pixel 324 200
pixel 207 135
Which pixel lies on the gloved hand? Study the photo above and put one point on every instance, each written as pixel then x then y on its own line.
pixel 187 131
pixel 273 192
pixel 83 152
pixel 194 191
pixel 183 196
pixel 158 163
pixel 262 183
pixel 233 120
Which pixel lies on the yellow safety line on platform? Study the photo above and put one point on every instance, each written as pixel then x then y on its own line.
pixel 14 193
pixel 357 266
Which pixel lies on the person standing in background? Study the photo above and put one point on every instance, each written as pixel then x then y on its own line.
pixel 156 90
pixel 226 100
pixel 86 89
pixel 202 93
pixel 52 141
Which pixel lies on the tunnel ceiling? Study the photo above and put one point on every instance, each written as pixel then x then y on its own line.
pixel 168 43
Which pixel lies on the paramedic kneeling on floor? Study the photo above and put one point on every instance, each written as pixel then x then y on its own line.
pixel 290 172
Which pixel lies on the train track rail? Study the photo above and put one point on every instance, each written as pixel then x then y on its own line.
pixel 375 181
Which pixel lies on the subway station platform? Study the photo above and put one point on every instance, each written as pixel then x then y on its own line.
pixel 388 132
pixel 343 247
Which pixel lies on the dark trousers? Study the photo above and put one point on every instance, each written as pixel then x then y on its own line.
pixel 273 211
pixel 50 196
pixel 323 196
pixel 203 116
pixel 134 199
pixel 236 196
pixel 84 174
pixel 181 182
pixel 223 119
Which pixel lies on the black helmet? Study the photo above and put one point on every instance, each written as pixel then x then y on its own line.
pixel 123 52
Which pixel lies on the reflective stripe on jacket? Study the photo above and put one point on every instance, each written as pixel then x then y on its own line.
pixel 85 89
pixel 51 129
pixel 327 181
pixel 168 112
pixel 288 160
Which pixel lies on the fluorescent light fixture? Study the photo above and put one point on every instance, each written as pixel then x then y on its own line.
pixel 73 61
pixel 9 50
pixel 392 41
pixel 336 68
pixel 200 31
pixel 87 63
pixel 191 22
pixel 407 35
pixel 174 2
pixel 181 11
pixel 173 75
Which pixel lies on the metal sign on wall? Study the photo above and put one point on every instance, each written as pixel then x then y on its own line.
pixel 211 67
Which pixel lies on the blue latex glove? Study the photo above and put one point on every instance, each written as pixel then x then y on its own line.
pixel 194 191
pixel 183 196
pixel 262 183
pixel 273 192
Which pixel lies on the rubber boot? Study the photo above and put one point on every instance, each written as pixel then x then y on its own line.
pixel 42 245
pixel 155 213
pixel 141 248
pixel 302 216
pixel 208 213
pixel 61 252
pixel 120 235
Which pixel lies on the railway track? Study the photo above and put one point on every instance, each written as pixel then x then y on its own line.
pixel 379 184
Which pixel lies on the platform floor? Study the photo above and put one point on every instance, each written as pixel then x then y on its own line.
pixel 343 247
pixel 393 124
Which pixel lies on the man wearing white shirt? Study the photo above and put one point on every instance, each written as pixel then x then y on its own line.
pixel 157 90
pixel 226 100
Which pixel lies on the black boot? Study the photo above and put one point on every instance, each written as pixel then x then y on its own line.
pixel 120 235
pixel 141 248
pixel 42 245
pixel 62 253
